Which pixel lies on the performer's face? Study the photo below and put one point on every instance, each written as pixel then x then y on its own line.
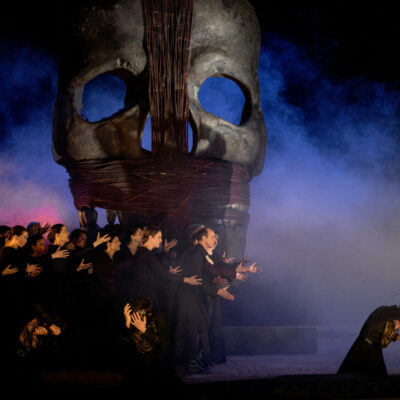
pixel 157 239
pixel 137 236
pixel 39 247
pixel 396 324
pixel 115 244
pixel 63 236
pixel 21 239
pixel 210 241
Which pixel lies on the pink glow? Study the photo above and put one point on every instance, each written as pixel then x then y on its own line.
pixel 23 216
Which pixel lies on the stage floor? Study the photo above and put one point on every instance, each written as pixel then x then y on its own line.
pixel 276 376
pixel 333 344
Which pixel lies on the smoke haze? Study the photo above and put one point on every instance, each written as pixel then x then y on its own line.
pixel 324 212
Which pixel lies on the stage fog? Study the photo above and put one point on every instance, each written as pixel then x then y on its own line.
pixel 324 212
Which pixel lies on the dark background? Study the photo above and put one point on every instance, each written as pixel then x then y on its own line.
pixel 347 38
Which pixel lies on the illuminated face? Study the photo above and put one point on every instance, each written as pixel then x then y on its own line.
pixel 210 241
pixel 63 236
pixel 138 236
pixel 157 239
pixel 39 247
pixel 22 239
pixel 115 244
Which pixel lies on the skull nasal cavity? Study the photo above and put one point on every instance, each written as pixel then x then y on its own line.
pixel 146 136
pixel 223 98
pixel 103 97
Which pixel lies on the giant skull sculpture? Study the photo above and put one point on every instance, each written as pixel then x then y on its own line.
pixel 109 38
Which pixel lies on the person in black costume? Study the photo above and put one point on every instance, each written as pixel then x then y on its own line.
pixel 38 283
pixel 148 276
pixel 365 355
pixel 145 334
pixel 133 238
pixel 191 324
pixel 14 272
pixel 222 271
pixel 79 239
pixel 104 315
pixel 64 274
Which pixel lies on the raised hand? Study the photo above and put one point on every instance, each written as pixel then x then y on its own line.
pixel 193 280
pixel 254 269
pixel 101 239
pixel 226 259
pixel 169 245
pixel 241 276
pixel 60 253
pixel 33 269
pixel 223 292
pixel 84 265
pixel 175 271
pixel 40 330
pixel 54 329
pixel 45 229
pixel 127 315
pixel 241 269
pixel 139 323
pixel 9 270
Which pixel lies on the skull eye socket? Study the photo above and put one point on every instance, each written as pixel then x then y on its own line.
pixel 103 97
pixel 224 98
pixel 113 93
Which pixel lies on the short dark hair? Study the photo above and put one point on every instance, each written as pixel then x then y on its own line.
pixel 131 230
pixel 191 230
pixel 203 232
pixel 32 240
pixel 16 230
pixel 112 230
pixel 74 235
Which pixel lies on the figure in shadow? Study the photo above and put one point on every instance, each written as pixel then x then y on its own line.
pixel 365 355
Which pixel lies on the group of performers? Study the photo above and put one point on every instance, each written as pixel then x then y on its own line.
pixel 125 295
pixel 129 301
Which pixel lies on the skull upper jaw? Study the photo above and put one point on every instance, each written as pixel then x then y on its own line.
pixel 225 42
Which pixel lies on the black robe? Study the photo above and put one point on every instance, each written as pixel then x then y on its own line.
pixel 65 301
pixel 13 312
pixel 213 304
pixel 147 276
pixel 100 330
pixel 125 261
pixel 191 317
pixel 37 288
pixel 365 355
